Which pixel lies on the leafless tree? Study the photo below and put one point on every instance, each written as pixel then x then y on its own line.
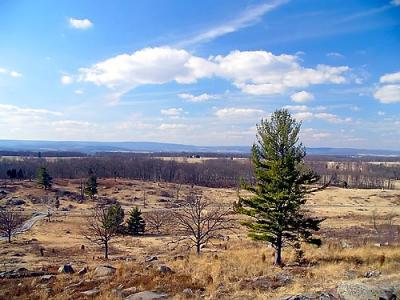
pixel 197 221
pixel 100 228
pixel 10 220
pixel 157 221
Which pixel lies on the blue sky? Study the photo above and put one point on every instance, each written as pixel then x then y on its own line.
pixel 200 72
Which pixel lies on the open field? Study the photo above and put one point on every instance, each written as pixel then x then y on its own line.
pixel 225 267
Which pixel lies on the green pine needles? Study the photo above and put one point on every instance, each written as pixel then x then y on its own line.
pixel 281 184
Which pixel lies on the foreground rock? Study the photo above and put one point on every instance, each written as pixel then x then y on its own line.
pixel 147 295
pixel 22 273
pixel 103 271
pixel 355 290
pixel 91 293
pixel 66 269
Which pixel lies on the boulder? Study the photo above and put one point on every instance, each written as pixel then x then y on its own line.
pixel 370 274
pixel 147 295
pixel 102 271
pixel 188 293
pixel 83 271
pixel 47 279
pixel 355 290
pixel 165 269
pixel 15 202
pixel 91 293
pixel 150 258
pixel 67 269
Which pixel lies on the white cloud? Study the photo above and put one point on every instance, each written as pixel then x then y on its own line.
pixel 254 72
pixel 78 92
pixel 15 74
pixel 331 118
pixel 388 93
pixel 13 109
pixel 2 70
pixel 390 78
pixel 301 97
pixel 249 17
pixel 233 112
pixel 66 79
pixel 395 2
pixel 296 107
pixel 148 66
pixel 80 23
pixel 173 126
pixel 303 116
pixel 200 98
pixel 172 111
pixel 335 54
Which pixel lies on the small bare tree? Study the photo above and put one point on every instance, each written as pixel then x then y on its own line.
pixel 101 227
pixel 198 221
pixel 157 221
pixel 10 220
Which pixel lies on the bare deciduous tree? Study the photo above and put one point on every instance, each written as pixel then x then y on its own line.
pixel 100 228
pixel 157 221
pixel 198 221
pixel 10 220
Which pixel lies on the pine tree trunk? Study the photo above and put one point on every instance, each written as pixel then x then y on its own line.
pixel 106 250
pixel 198 249
pixel 9 238
pixel 278 251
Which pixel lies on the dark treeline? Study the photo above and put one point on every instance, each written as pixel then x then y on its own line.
pixel 223 172
pixel 212 173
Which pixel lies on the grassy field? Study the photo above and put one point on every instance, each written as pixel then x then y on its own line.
pixel 351 246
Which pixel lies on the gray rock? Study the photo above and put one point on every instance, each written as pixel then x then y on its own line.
pixel 150 258
pixel 47 279
pixel 188 293
pixel 91 293
pixel 102 271
pixel 368 291
pixel 147 295
pixel 370 274
pixel 83 271
pixel 15 202
pixel 165 269
pixel 67 269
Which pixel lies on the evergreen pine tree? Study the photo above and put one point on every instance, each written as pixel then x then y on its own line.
pixel 44 179
pixel 136 223
pixel 116 215
pixel 20 174
pixel 281 184
pixel 91 185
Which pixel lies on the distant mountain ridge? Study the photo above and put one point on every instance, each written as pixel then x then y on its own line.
pixel 93 147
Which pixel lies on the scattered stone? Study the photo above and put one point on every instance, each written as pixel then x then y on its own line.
pixel 147 295
pixel 354 290
pixel 83 271
pixel 103 271
pixel 150 258
pixel 129 291
pixel 165 269
pixel 378 245
pixel 345 245
pixel 67 269
pixel 47 279
pixel 15 202
pixel 370 274
pixel 91 293
pixel 188 293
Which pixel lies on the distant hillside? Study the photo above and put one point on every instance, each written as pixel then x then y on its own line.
pixel 93 147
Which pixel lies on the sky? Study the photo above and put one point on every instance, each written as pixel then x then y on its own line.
pixel 200 72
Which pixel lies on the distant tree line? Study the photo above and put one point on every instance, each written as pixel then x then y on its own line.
pixel 221 172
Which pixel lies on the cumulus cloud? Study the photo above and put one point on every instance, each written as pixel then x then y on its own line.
pixel 233 112
pixel 172 111
pixel 253 72
pixel 10 73
pixel 199 98
pixel 395 2
pixel 390 78
pixel 301 97
pixel 66 79
pixel 78 92
pixel 15 74
pixel 328 117
pixel 389 91
pixel 80 23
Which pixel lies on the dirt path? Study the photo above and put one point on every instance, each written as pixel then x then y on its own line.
pixel 28 224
